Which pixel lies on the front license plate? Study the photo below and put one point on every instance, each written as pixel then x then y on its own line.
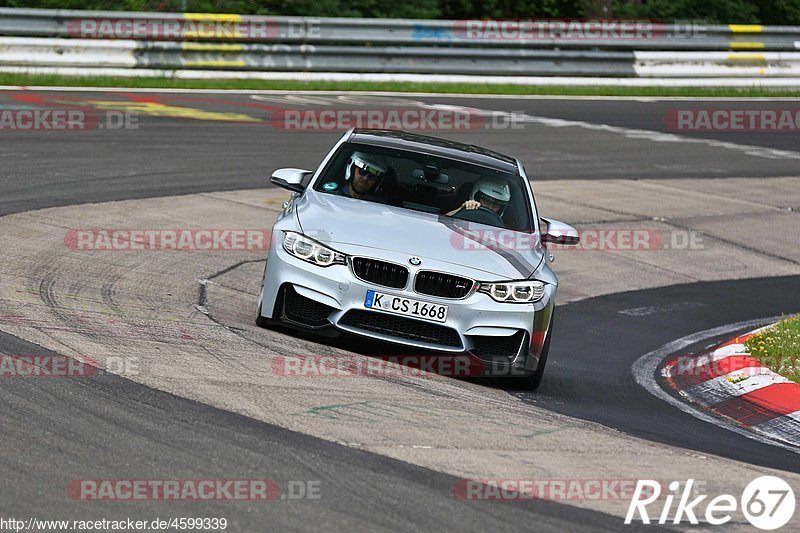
pixel 405 306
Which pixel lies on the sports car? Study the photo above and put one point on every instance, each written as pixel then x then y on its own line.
pixel 422 242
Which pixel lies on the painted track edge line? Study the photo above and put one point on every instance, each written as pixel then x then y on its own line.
pixel 644 370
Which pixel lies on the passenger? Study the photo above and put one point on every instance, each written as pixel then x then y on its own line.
pixel 490 194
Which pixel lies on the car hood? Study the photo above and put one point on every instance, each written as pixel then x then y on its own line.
pixel 338 220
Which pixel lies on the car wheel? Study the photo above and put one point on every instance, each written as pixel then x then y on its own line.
pixel 532 381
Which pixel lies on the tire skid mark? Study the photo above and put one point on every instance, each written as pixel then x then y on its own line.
pixel 371 411
pixel 47 294
pixel 108 294
pixel 115 321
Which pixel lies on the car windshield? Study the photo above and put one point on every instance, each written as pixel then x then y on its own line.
pixel 427 183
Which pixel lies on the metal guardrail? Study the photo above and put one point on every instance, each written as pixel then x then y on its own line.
pixel 41 52
pixel 406 32
pixel 182 41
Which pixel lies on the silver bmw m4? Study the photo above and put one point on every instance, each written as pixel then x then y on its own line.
pixel 421 242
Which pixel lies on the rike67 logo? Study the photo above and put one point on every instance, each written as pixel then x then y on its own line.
pixel 767 502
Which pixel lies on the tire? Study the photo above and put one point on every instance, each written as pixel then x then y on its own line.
pixel 532 381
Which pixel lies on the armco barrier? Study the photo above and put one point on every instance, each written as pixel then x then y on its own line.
pixel 63 39
pixel 421 60
pixel 716 64
pixel 44 52
pixel 170 55
pixel 407 32
pixel 73 52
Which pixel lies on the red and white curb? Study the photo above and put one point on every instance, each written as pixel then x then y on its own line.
pixel 729 382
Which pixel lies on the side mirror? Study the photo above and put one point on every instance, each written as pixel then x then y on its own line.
pixel 560 233
pixel 291 178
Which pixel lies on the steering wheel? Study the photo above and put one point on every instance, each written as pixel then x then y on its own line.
pixel 482 215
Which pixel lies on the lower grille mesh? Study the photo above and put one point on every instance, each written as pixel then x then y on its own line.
pixel 497 347
pixel 404 328
pixel 305 310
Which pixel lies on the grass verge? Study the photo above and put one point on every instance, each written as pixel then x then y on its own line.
pixel 779 348
pixel 171 83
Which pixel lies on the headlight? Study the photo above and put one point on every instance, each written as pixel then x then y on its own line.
pixel 310 250
pixel 520 292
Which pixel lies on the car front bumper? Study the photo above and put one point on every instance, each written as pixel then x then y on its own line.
pixel 504 336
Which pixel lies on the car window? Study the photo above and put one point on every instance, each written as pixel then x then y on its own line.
pixel 427 183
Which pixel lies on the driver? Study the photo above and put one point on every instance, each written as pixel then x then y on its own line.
pixel 489 194
pixel 363 174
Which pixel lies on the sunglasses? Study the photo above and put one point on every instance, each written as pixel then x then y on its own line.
pixel 367 174
pixel 492 202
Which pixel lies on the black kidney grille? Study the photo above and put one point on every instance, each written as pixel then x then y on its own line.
pixel 443 285
pixel 380 272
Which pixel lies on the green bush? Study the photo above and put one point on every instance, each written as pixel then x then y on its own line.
pixel 778 348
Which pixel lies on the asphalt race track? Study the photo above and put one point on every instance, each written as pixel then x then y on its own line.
pixel 56 430
pixel 223 154
pixel 593 379
pixel 111 427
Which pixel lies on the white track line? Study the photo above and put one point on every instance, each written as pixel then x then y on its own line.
pixel 628 133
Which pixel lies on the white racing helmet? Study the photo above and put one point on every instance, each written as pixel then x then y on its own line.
pixel 374 164
pixel 495 190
